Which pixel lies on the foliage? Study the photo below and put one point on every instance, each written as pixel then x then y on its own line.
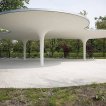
pixel 84 13
pixel 100 22
pixel 9 48
pixel 12 4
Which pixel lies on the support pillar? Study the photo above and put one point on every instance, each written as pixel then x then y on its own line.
pixel 24 49
pixel 42 50
pixel 84 49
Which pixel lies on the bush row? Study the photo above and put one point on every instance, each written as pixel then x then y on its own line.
pixel 49 55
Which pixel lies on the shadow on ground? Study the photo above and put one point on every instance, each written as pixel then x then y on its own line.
pixel 33 63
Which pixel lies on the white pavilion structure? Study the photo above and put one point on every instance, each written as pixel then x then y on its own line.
pixel 41 24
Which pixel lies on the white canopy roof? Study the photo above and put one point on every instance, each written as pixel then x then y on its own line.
pixel 30 24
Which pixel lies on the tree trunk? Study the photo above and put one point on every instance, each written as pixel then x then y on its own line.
pixel 104 48
pixel 9 51
pixel 52 46
pixel 9 54
pixel 78 47
pixel 29 49
pixel 91 41
pixel 0 52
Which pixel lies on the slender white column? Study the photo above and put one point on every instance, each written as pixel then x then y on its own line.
pixel 42 50
pixel 24 49
pixel 84 49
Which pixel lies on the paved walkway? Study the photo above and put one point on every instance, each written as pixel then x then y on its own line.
pixel 18 73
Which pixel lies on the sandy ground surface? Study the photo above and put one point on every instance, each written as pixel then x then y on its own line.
pixel 17 73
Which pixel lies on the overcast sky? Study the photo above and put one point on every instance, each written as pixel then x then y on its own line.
pixel 94 8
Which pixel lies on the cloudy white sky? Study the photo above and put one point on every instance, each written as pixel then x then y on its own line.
pixel 94 8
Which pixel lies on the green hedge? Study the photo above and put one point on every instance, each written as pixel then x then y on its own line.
pixel 55 55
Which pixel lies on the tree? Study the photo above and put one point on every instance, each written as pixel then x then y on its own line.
pixel 52 47
pixel 6 46
pixel 90 48
pixel 6 5
pixel 12 4
pixel 84 13
pixel 29 48
pixel 65 48
pixel 78 47
pixel 101 24
pixel 17 48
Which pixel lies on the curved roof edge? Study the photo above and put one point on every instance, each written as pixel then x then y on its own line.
pixel 47 10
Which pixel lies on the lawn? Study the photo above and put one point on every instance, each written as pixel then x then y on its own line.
pixel 88 95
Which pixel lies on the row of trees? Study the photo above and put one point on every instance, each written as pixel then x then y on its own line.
pixel 53 47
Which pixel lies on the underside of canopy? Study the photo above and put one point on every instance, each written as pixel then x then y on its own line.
pixel 31 24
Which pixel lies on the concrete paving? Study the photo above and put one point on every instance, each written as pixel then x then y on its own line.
pixel 17 73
